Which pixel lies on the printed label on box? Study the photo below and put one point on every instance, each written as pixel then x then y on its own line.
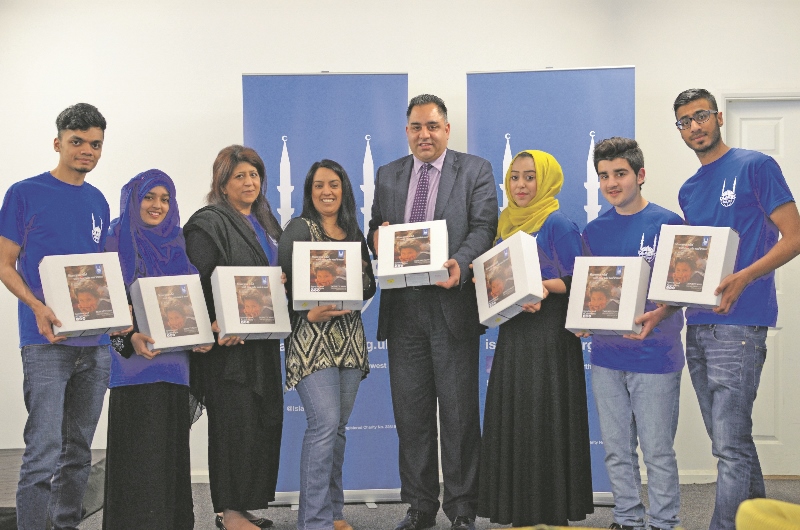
pixel 412 247
pixel 603 290
pixel 328 271
pixel 499 277
pixel 687 265
pixel 176 309
pixel 255 300
pixel 88 291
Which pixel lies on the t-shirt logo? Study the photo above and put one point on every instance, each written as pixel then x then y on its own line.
pixel 648 253
pixel 96 230
pixel 728 197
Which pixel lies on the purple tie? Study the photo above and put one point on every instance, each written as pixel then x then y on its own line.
pixel 419 208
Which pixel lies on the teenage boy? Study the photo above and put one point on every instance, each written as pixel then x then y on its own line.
pixel 636 378
pixel 64 379
pixel 726 347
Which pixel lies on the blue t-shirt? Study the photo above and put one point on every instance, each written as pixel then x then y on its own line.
pixel 559 242
pixel 47 217
pixel 613 234
pixel 739 190
pixel 167 367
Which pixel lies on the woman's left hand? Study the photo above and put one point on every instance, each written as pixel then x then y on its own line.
pixel 533 308
pixel 202 349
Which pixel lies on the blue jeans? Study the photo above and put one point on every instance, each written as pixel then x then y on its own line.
pixel 635 409
pixel 328 396
pixel 64 388
pixel 725 364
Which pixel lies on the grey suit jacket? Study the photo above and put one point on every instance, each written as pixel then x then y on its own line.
pixel 467 200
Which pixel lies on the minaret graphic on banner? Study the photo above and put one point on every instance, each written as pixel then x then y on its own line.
pixel 506 164
pixel 285 187
pixel 592 185
pixel 368 187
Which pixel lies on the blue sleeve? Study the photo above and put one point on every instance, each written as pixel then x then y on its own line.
pixel 12 217
pixel 770 186
pixel 568 247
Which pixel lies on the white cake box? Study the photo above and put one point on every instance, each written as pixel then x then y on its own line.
pixel 506 278
pixel 690 264
pixel 327 272
pixel 250 302
pixel 608 294
pixel 172 311
pixel 412 254
pixel 86 292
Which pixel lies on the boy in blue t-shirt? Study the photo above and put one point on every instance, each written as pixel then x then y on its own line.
pixel 64 379
pixel 636 379
pixel 726 347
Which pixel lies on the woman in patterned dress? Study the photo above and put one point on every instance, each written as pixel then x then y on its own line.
pixel 326 353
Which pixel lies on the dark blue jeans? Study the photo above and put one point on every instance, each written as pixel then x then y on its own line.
pixel 725 364
pixel 64 388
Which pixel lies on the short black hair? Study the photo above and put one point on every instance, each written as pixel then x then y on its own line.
pixel 693 94
pixel 619 147
pixel 424 99
pixel 80 117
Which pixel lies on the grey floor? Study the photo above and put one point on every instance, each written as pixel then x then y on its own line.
pixel 697 503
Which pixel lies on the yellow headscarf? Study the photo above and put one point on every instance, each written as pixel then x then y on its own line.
pixel 549 179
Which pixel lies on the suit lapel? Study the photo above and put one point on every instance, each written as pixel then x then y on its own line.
pixel 446 183
pixel 402 180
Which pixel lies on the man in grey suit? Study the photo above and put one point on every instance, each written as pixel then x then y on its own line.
pixel 433 331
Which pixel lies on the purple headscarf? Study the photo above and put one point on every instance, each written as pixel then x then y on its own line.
pixel 146 250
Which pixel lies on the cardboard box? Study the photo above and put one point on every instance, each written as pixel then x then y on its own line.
pixel 86 292
pixel 327 272
pixel 172 310
pixel 507 277
pixel 250 302
pixel 690 264
pixel 412 254
pixel 608 294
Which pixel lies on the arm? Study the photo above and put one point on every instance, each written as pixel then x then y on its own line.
pixel 369 275
pixel 482 221
pixel 651 319
pixel 377 218
pixel 45 318
pixel 787 219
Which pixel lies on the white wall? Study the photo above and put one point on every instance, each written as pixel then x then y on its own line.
pixel 167 76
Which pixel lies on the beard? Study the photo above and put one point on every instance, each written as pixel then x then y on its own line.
pixel 715 137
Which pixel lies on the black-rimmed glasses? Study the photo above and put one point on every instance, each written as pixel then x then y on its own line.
pixel 701 116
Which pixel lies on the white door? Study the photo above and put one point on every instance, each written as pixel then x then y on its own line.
pixel 772 126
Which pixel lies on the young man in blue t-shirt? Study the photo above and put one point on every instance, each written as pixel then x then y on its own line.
pixel 636 379
pixel 64 379
pixel 726 347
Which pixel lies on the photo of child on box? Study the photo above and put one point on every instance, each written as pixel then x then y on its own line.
pixel 255 300
pixel 499 277
pixel 328 271
pixel 603 289
pixel 412 247
pixel 688 263
pixel 89 292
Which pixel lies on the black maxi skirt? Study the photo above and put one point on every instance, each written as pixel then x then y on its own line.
pixel 535 458
pixel 148 475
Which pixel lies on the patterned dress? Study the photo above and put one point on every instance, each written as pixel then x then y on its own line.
pixel 313 346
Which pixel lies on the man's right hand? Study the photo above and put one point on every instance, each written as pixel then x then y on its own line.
pixel 45 320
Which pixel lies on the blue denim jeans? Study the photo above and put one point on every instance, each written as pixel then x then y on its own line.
pixel 725 364
pixel 328 396
pixel 64 388
pixel 640 409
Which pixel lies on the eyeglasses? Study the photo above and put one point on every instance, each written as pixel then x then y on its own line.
pixel 701 116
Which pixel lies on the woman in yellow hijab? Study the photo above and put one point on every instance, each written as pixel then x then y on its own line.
pixel 535 462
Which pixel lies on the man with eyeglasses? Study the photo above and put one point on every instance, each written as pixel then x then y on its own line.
pixel 726 346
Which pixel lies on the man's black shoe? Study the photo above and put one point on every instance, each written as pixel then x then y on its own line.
pixel 462 522
pixel 416 520
pixel 618 526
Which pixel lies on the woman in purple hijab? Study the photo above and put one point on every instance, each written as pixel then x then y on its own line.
pixel 148 483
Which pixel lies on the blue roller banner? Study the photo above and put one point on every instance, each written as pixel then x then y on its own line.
pixel 359 121
pixel 561 112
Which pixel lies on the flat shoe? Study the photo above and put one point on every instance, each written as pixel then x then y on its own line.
pixel 341 524
pixel 261 522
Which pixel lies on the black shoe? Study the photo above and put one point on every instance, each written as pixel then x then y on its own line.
pixel 260 522
pixel 416 520
pixel 462 522
pixel 618 526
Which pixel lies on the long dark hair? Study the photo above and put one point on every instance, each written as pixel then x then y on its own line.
pixel 346 219
pixel 225 163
